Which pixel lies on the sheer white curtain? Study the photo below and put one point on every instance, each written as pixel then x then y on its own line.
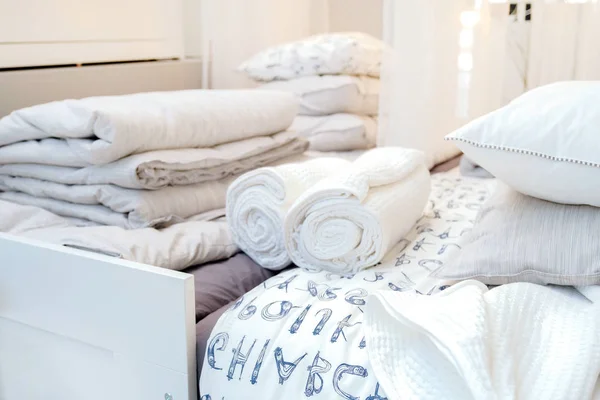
pixel 565 41
pixel 453 60
pixel 439 72
pixel 233 30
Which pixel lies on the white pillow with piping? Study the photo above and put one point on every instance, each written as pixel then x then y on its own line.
pixel 545 143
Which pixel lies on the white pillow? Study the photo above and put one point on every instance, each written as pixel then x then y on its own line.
pixel 338 132
pixel 330 94
pixel 348 53
pixel 545 143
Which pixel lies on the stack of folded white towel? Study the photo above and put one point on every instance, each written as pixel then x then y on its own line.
pixel 147 160
pixel 329 213
pixel 336 78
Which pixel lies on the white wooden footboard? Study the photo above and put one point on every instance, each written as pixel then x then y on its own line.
pixel 79 326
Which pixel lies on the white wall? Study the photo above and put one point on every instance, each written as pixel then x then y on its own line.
pixel 192 32
pixel 238 29
pixel 25 88
pixel 356 15
pixel 43 32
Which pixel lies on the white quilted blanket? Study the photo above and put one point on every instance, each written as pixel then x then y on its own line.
pixel 259 200
pixel 176 247
pixel 99 130
pixel 349 221
pixel 519 341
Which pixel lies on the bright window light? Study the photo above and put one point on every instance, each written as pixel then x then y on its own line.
pixel 465 40
pixel 465 62
pixel 469 19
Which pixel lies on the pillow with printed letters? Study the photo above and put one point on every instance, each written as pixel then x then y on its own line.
pixel 344 53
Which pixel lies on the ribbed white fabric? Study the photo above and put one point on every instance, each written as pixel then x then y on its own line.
pixel 258 202
pixel 151 170
pixel 176 247
pixel 349 221
pixel 517 341
pixel 99 130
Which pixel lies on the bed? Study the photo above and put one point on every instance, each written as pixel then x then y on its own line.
pixel 131 333
pixel 306 322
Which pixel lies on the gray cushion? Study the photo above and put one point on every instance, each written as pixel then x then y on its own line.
pixel 517 238
pixel 221 282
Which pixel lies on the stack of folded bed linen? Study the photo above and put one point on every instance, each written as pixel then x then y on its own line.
pixel 418 286
pixel 336 78
pixel 141 176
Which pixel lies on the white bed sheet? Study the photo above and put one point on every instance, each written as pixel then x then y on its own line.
pixel 300 333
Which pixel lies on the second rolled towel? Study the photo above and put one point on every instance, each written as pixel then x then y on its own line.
pixel 348 221
pixel 258 202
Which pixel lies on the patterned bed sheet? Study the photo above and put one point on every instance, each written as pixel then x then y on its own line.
pixel 299 334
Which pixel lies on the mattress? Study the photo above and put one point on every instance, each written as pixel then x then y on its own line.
pixel 299 333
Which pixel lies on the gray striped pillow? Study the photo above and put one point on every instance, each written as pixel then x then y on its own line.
pixel 517 238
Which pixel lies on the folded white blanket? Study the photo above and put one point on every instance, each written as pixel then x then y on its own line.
pixel 149 170
pixel 259 200
pixel 176 247
pixel 337 132
pixel 112 205
pixel 517 341
pixel 349 221
pixel 99 130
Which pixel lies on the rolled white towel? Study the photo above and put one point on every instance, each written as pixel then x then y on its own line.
pixel 349 221
pixel 258 201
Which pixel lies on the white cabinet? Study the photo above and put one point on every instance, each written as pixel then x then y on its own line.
pixel 52 32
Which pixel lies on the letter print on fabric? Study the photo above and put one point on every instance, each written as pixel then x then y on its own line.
pixel 285 368
pixel 217 342
pixel 346 369
pixel 314 383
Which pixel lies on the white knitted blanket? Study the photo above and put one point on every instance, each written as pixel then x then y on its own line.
pixel 349 221
pixel 519 341
pixel 99 130
pixel 258 202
